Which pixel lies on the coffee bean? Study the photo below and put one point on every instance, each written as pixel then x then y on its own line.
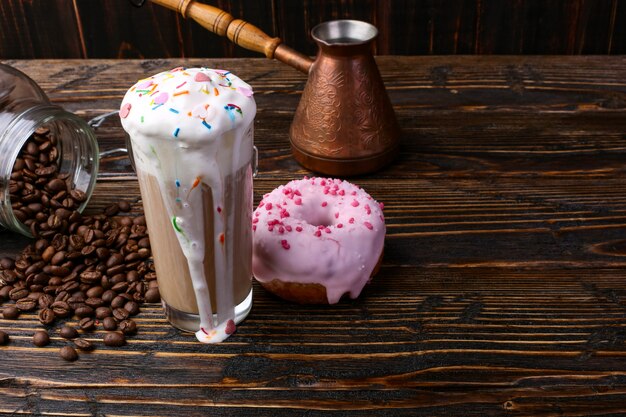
pixel 139 220
pixel 128 327
pixel 26 304
pixel 18 293
pixel 68 332
pixel 78 195
pixel 120 314
pixel 114 339
pixel 120 287
pixel 109 323
pixel 118 302
pixel 8 276
pixel 68 353
pixel 48 253
pixel 56 185
pixel 46 316
pixel 117 278
pixel 10 313
pixel 7 263
pixel 114 259
pixel 84 345
pixel 112 210
pixel 45 300
pixel 4 292
pixel 58 258
pixel 94 302
pixel 95 292
pixel 41 338
pixel 103 312
pixel 4 338
pixel 124 206
pixel 87 324
pixel 108 296
pixel 90 277
pixel 132 307
pixel 153 295
pixel 61 308
pixel 84 311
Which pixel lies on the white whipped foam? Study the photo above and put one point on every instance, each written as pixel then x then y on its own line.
pixel 189 127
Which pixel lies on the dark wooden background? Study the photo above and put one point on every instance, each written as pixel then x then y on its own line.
pixel 115 29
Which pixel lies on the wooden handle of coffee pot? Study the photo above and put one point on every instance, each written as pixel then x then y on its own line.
pixel 238 31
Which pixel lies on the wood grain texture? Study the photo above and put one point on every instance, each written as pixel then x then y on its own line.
pixel 502 289
pixel 115 29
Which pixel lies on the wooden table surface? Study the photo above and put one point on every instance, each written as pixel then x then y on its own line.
pixel 503 286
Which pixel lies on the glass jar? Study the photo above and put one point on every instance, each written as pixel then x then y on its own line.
pixel 24 108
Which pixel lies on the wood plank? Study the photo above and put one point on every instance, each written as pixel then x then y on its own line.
pixel 39 29
pixel 501 289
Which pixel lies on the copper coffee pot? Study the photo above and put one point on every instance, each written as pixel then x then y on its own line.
pixel 344 124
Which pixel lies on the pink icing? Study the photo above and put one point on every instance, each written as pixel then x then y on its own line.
pixel 307 241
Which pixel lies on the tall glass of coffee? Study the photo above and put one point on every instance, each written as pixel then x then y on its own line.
pixel 191 132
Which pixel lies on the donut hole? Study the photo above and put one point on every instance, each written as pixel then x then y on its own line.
pixel 320 218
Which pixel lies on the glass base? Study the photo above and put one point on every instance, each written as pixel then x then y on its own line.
pixel 191 322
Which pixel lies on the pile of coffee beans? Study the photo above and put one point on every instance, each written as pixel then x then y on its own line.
pixel 95 268
pixel 38 189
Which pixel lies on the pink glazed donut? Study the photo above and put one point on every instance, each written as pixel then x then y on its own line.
pixel 317 239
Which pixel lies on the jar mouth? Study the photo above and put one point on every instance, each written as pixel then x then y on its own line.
pixel 77 154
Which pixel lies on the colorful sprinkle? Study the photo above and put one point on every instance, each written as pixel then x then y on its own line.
pixel 180 93
pixel 177 182
pixel 222 238
pixel 141 119
pixel 339 225
pixel 180 85
pixel 354 203
pixel 351 221
pixel 368 225
pixel 317 233
pixel 174 111
pixel 233 107
pixel 230 327
pixel 176 227
pixel 285 244
pixel 208 126
pixel 161 98
pixel 201 77
pixel 157 106
pixel 125 110
pixel 324 204
pixel 176 131
pixel 245 91
pixel 145 84
pixel 298 229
